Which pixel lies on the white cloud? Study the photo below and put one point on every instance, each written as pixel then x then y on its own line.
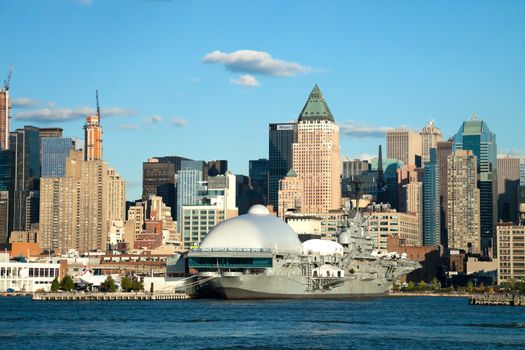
pixel 128 127
pixel 48 115
pixel 193 80
pixel 256 62
pixel 512 152
pixel 179 122
pixel 366 156
pixel 245 80
pixel 24 102
pixel 360 130
pixel 154 119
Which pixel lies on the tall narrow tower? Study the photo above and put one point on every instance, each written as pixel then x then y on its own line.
pixel 5 114
pixel 93 136
pixel 316 156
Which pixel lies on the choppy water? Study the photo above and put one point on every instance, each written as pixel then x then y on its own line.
pixel 386 323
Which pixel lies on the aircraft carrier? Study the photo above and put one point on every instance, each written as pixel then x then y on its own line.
pixel 258 256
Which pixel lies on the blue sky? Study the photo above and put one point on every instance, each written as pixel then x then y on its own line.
pixel 173 81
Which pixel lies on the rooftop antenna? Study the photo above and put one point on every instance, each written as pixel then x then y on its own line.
pixel 98 107
pixel 7 82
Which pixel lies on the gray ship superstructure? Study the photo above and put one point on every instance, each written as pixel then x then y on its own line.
pixel 258 256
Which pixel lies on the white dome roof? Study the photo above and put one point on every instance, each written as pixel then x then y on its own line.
pixel 321 247
pixel 257 229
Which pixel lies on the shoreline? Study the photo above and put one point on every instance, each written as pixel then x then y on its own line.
pixel 429 294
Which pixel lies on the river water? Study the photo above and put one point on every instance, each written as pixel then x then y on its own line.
pixel 383 323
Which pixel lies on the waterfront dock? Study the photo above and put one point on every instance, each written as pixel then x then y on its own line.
pixel 497 299
pixel 97 296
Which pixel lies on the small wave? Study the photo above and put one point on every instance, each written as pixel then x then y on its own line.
pixel 497 325
pixel 336 322
pixel 212 320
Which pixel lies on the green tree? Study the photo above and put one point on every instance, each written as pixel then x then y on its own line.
pixel 422 285
pixel 481 287
pixel 436 285
pixel 470 287
pixel 126 283
pixel 396 287
pixel 109 285
pixel 55 285
pixel 67 283
pixel 411 286
pixel 137 285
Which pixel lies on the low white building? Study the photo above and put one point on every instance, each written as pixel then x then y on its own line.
pixel 27 277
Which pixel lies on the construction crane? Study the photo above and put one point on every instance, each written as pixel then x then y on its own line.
pixel 8 80
pixel 98 107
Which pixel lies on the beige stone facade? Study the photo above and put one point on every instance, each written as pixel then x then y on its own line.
pixel 414 193
pixel 404 145
pixel 290 194
pixel 430 136
pixel 463 202
pixel 75 209
pixel 511 252
pixel 316 156
pixel 383 224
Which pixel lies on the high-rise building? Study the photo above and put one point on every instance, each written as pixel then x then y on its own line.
pixel 475 135
pixel 388 180
pixel 430 136
pixel 158 179
pixel 135 222
pixel 281 138
pixel 6 179
pixel 58 214
pixel 93 138
pixel 508 188
pixel 444 149
pixel 55 151
pixel 316 156
pixel 511 258
pixel 463 202
pixel 405 175
pixel 213 203
pixel 5 117
pixel 216 167
pixel 404 145
pixel 258 172
pixel 290 193
pixel 243 193
pixel 414 204
pixel 352 170
pixel 25 145
pixel 522 171
pixel 75 209
pixel 116 196
pixel 388 222
pixel 50 132
pixel 354 167
pixel 431 212
pixel 190 180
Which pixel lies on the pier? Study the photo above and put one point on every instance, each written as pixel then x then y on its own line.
pixel 497 299
pixel 97 296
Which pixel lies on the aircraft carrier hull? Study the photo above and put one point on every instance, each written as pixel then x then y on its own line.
pixel 279 287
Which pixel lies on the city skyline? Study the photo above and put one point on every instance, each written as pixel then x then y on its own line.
pixel 152 75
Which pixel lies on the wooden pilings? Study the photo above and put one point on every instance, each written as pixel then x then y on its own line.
pixel 109 296
pixel 497 299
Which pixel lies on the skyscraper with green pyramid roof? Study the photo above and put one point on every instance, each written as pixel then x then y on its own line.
pixel 316 156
